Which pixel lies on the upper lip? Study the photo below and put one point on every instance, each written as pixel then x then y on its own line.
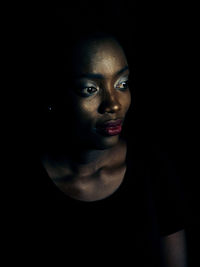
pixel 111 123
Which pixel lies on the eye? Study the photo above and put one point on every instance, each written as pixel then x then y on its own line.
pixel 123 85
pixel 88 91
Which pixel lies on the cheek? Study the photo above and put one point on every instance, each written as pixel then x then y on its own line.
pixel 87 109
pixel 127 101
pixel 89 105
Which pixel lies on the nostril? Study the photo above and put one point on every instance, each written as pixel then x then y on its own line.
pixel 110 107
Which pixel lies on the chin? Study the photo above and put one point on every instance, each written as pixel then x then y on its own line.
pixel 107 142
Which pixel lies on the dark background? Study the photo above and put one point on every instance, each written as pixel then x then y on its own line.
pixel 161 49
pixel 163 54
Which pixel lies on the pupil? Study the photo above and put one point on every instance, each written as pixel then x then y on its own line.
pixel 91 89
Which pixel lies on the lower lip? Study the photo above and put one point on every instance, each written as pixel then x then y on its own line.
pixel 111 131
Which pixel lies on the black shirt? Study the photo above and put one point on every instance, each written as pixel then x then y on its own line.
pixel 125 226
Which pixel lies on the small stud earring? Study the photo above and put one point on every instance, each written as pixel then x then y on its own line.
pixel 50 108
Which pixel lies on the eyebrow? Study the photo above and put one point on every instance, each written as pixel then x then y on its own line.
pixel 100 76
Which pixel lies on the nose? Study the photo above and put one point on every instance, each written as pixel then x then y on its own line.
pixel 110 103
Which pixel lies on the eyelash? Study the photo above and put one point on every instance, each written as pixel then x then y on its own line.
pixel 86 88
pixel 126 85
pixel 92 87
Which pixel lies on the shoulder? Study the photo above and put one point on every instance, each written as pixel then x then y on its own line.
pixel 174 249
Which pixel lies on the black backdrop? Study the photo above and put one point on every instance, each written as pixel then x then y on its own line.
pixel 162 50
pixel 160 47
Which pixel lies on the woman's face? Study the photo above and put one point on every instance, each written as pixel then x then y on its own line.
pixel 99 96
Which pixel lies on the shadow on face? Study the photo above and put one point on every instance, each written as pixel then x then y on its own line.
pixel 95 90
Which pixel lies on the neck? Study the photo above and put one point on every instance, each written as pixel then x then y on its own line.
pixel 76 154
pixel 87 156
pixel 84 162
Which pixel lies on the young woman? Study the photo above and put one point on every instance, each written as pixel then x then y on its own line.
pixel 113 194
pixel 86 157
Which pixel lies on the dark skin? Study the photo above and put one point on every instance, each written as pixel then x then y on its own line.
pixel 101 75
pixel 88 166
pixel 94 166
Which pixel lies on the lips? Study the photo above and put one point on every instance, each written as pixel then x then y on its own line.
pixel 113 123
pixel 110 128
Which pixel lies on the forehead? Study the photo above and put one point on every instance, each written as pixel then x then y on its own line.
pixel 104 56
